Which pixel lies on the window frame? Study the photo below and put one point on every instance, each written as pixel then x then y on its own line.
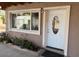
pixel 37 32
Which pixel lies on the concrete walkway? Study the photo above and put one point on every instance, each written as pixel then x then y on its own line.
pixel 8 51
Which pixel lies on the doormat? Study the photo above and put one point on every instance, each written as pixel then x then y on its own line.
pixel 51 54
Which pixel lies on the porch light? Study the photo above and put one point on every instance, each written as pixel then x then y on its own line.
pixel 0 7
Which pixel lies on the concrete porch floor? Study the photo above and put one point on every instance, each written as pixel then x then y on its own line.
pixel 7 51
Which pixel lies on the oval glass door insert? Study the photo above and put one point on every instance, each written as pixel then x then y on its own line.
pixel 55 24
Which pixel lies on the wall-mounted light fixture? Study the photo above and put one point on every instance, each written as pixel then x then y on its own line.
pixel 0 7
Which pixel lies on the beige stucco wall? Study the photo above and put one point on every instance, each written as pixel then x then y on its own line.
pixel 73 48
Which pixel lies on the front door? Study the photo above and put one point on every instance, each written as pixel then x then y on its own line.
pixel 57 28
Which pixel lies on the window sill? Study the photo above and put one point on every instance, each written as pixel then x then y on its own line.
pixel 26 31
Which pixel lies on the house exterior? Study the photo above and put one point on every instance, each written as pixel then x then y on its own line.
pixel 36 28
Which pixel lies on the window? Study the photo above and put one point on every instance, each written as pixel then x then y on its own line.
pixel 27 21
pixel 21 21
pixel 35 21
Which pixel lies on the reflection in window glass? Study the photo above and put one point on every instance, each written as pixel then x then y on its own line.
pixel 13 20
pixel 25 20
pixel 21 21
pixel 35 21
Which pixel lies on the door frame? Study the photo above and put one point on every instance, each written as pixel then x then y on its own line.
pixel 44 37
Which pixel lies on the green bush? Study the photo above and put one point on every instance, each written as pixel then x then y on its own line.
pixel 27 44
pixel 5 37
pixel 2 37
pixel 19 42
pixel 24 44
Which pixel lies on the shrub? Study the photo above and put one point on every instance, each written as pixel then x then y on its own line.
pixel 5 37
pixel 27 44
pixel 24 44
pixel 19 42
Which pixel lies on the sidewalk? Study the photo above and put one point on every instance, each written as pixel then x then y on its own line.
pixel 7 51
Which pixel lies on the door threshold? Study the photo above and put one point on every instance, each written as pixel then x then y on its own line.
pixel 59 51
pixel 55 48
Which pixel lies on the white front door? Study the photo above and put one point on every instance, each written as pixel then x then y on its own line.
pixel 57 21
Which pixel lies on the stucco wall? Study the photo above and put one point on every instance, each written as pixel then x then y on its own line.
pixel 73 48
